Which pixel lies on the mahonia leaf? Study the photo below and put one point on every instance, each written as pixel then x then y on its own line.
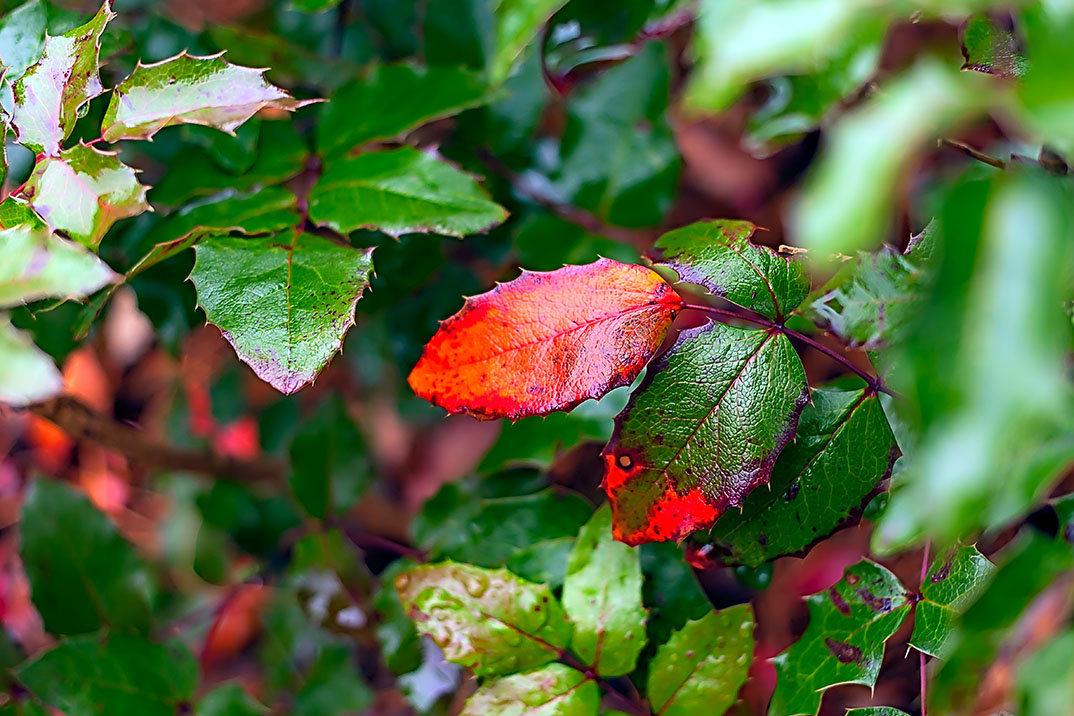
pixel 190 90
pixel 702 431
pixel 953 583
pixel 843 448
pixel 517 23
pixel 390 100
pixel 991 49
pixel 49 96
pixel 872 299
pixel 401 191
pixel 35 264
pixel 844 642
pixel 82 192
pixel 720 256
pixel 29 375
pixel 703 665
pixel 553 690
pixel 283 303
pixel 876 711
pixel 602 598
pixel 14 211
pixel 547 340
pixel 22 37
pixel 486 619
pixel 229 700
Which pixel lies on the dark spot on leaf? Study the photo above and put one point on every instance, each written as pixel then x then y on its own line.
pixel 845 653
pixel 877 604
pixel 626 462
pixel 762 539
pixel 941 574
pixel 792 492
pixel 838 601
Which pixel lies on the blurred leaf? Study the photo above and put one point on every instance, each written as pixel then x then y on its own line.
pixel 256 523
pixel 401 191
pixel 671 590
pixel 314 5
pixel 1045 100
pixel 545 242
pixel 116 674
pixel 842 450
pixel 844 642
pixel 544 561
pixel 876 711
pixel 290 63
pixel 35 264
pixel 229 700
pixel 329 468
pixel 331 687
pixel 602 598
pixel 487 620
pixel 22 37
pixel 703 665
pixel 553 690
pixel 992 49
pixel 517 22
pixel 83 574
pixel 399 642
pixel 29 375
pixel 52 92
pixel 953 582
pixel 1046 681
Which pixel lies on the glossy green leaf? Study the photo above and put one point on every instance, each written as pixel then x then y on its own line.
pixel 487 620
pixel 29 375
pixel 117 675
pixel 82 573
pixel 517 22
pixel 702 431
pixel 229 700
pixel 401 191
pixel 876 711
pixel 720 256
pixel 329 468
pixel 51 93
pixel 602 598
pixel 671 590
pixel 703 665
pixel 14 211
pixel 283 302
pixel 844 642
pixel 953 583
pixel 35 264
pixel 544 561
pixel 83 192
pixel 390 100
pixel 190 90
pixel 553 690
pixel 22 37
pixel 1045 681
pixel 992 49
pixel 841 452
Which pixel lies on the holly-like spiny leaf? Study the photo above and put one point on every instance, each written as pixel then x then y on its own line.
pixel 190 90
pixel 488 620
pixel 844 642
pixel 14 211
pixel 283 302
pixel 29 375
pixel 35 264
pixel 953 583
pixel 553 690
pixel 992 49
pixel 50 94
pixel 720 256
pixel 401 191
pixel 602 598
pixel 83 192
pixel 703 665
pixel 702 431
pixel 547 341
pixel 843 448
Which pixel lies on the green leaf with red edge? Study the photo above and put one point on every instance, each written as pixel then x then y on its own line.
pixel 50 94
pixel 486 619
pixel 184 89
pixel 283 301
pixel 553 690
pixel 702 431
pixel 83 192
pixel 29 375
pixel 703 665
pixel 953 582
pixel 843 448
pixel 720 256
pixel 401 191
pixel 992 49
pixel 844 642
pixel 36 264
pixel 547 340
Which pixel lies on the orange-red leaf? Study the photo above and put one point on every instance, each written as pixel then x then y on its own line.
pixel 547 340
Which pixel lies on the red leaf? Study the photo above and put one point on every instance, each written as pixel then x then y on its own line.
pixel 547 341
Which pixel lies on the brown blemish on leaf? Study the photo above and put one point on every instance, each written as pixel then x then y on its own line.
pixel 844 653
pixel 838 601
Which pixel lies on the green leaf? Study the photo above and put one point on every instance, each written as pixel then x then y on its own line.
pixel 671 590
pixel 517 22
pixel 82 573
pixel 14 211
pixel 401 191
pixel 488 620
pixel 553 690
pixel 844 642
pixel 390 100
pixel 29 375
pixel 1045 681
pixel 544 561
pixel 314 5
pixel 190 90
pixel 331 687
pixel 229 700
pixel 735 395
pixel 821 481
pixel 876 711
pixel 329 469
pixel 720 256
pixel 400 644
pixel 50 95
pixel 22 37
pixel 991 49
pixel 848 195
pixel 1045 100
pixel 873 299
pixel 602 597
pixel 703 665
pixel 83 192
pixel 953 583
pixel 283 303
pixel 117 675
pixel 35 264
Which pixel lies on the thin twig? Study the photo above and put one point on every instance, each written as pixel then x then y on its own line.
pixel 366 540
pixel 973 153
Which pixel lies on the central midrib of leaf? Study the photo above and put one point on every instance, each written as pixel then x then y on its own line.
pixel 764 280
